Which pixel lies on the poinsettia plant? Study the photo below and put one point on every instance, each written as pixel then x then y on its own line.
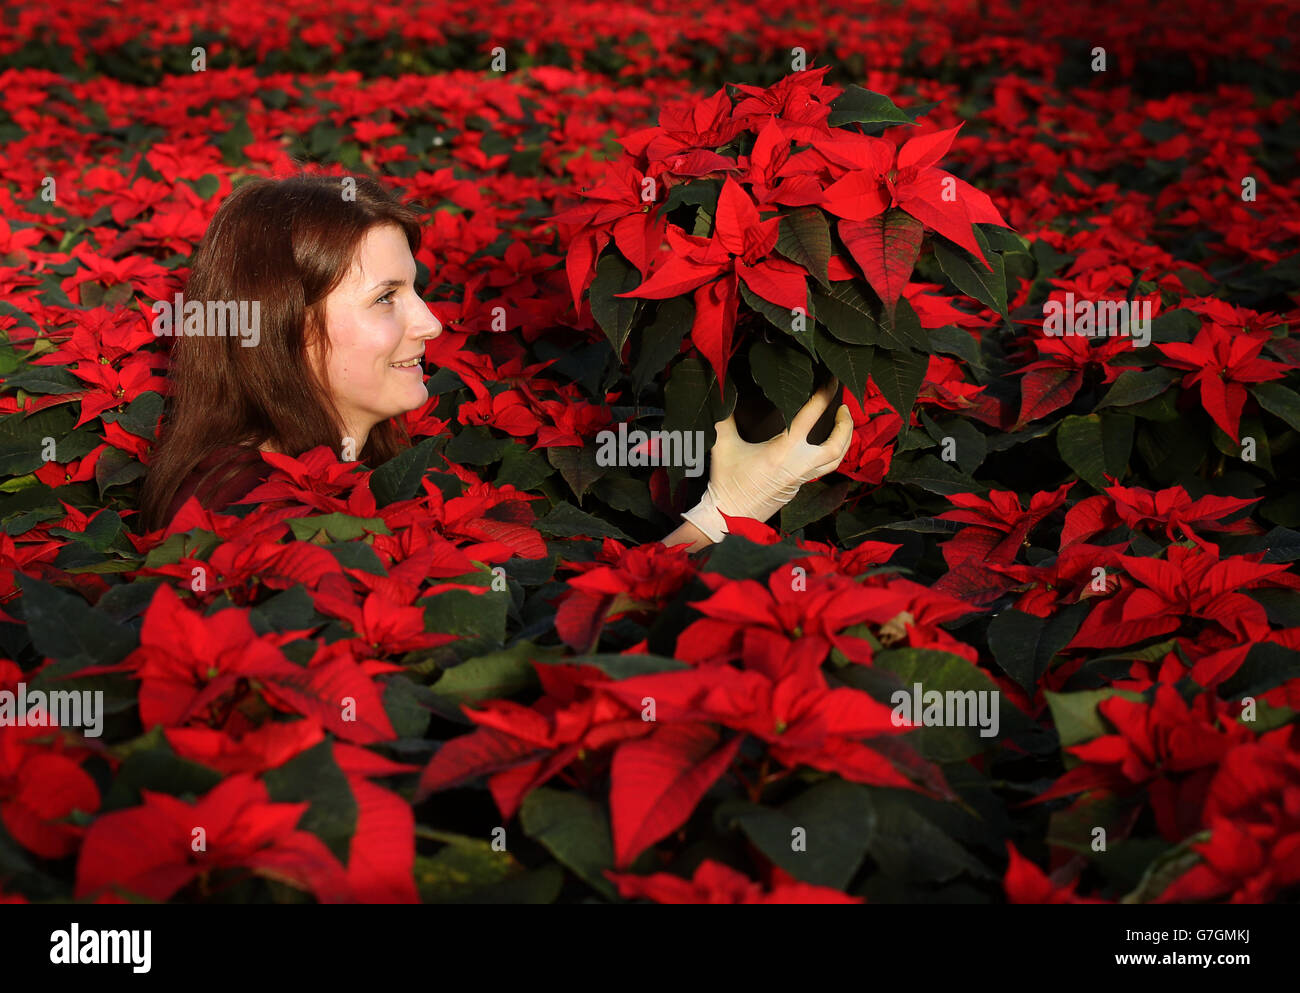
pixel 766 236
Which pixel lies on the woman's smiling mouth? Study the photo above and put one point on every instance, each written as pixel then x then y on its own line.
pixel 406 364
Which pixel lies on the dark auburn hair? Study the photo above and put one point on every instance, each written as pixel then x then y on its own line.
pixel 285 243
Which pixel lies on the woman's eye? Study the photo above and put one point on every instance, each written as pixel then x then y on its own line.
pixel 387 297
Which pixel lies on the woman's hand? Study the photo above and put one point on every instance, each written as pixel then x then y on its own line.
pixel 748 480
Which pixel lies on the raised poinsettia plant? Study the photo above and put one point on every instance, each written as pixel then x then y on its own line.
pixel 776 230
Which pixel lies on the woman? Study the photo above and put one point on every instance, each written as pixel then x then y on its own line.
pixel 340 351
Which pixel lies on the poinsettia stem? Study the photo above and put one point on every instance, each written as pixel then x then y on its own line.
pixel 447 837
pixel 756 788
pixel 745 783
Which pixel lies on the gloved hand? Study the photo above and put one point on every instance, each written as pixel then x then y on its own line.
pixel 748 480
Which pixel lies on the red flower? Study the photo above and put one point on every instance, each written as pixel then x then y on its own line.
pixel 193 667
pixel 316 479
pixel 798 103
pixel 1055 378
pixel 115 387
pixel 521 748
pixel 998 524
pixel 877 179
pixel 1187 583
pixel 498 517
pixel 1024 882
pixel 945 386
pixel 740 249
pixel 152 850
pixel 785 701
pixel 714 882
pixel 687 130
pixel 508 411
pixel 621 580
pixel 1222 360
pixel 1167 749
pixel 1253 813
pixel 40 783
pixel 142 274
pixel 573 422
pixel 413 555
pixel 657 780
pixel 381 855
pixel 383 626
pixel 260 748
pixel 617 208
pixel 251 557
pixel 1145 509
pixel 104 336
pixel 25 560
pixel 811 610
pixel 875 427
pixel 1068 578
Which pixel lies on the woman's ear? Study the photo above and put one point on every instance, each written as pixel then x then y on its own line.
pixel 316 346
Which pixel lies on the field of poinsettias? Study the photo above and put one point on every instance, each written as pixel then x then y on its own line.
pixel 472 674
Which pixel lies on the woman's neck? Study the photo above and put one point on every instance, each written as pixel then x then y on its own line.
pixel 351 446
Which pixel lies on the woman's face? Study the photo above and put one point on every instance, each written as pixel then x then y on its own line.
pixel 377 327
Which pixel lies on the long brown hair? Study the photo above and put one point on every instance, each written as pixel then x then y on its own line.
pixel 285 243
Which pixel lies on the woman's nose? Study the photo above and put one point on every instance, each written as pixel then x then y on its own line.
pixel 430 326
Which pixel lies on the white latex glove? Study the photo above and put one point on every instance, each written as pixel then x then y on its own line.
pixel 747 480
